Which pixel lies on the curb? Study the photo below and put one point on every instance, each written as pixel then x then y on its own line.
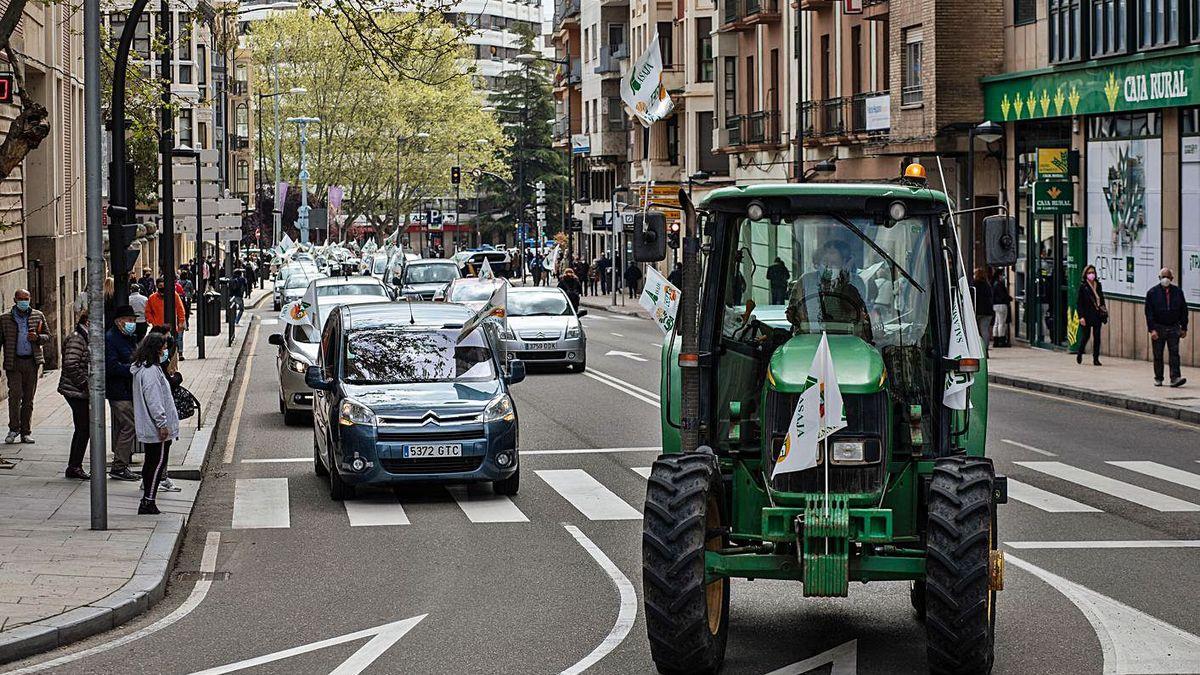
pixel 603 306
pixel 1140 405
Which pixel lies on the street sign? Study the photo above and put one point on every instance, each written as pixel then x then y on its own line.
pixel 8 86
pixel 1053 163
pixel 581 144
pixel 852 7
pixel 1053 198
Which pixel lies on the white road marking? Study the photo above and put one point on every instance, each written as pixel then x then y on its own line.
pixel 622 389
pixel 231 439
pixel 843 660
pixel 1163 472
pixel 1111 486
pixel 623 383
pixel 375 512
pixel 1030 448
pixel 626 613
pixel 382 637
pixel 260 503
pixel 616 334
pixel 486 508
pixel 276 460
pixel 208 565
pixel 632 356
pixel 270 322
pixel 1045 500
pixel 643 471
pixel 589 451
pixel 588 495
pixel 1144 543
pixel 1132 641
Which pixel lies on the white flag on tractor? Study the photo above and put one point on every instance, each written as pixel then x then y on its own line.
pixel 819 413
pixel 642 88
pixel 660 299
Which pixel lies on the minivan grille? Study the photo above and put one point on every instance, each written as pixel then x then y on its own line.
pixel 408 436
pixel 432 465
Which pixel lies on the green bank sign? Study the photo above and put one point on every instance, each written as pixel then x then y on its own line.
pixel 1053 198
pixel 1118 85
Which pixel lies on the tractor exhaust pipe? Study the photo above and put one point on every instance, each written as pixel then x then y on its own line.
pixel 689 357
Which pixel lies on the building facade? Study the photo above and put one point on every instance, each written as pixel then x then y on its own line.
pixel 1106 94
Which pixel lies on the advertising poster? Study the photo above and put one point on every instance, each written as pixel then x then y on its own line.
pixel 1124 214
pixel 1189 261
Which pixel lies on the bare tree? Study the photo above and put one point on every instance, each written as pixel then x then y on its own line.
pixel 30 127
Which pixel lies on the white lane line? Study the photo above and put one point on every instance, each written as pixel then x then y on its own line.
pixel 631 392
pixel 842 660
pixel 1163 472
pixel 626 613
pixel 1046 501
pixel 375 512
pixel 1131 641
pixel 208 565
pixel 1102 544
pixel 588 495
pixel 486 508
pixel 270 322
pixel 589 451
pixel 277 460
pixel 644 472
pixel 260 503
pixel 623 383
pixel 1111 486
pixel 231 439
pixel 1030 448
pixel 616 334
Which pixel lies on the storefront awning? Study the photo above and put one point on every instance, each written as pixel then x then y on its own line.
pixel 1139 82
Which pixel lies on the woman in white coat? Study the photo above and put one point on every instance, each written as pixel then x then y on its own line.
pixel 156 421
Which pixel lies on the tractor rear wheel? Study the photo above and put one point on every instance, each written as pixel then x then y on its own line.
pixel 687 619
pixel 960 607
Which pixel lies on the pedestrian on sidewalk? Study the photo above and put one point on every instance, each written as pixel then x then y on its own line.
pixel 1166 319
pixel 633 274
pixel 23 332
pixel 238 291
pixel 1001 300
pixel 120 341
pixel 981 282
pixel 110 300
pixel 675 278
pixel 156 311
pixel 569 283
pixel 156 419
pixel 73 385
pixel 593 277
pixel 146 282
pixel 138 302
pixel 1093 313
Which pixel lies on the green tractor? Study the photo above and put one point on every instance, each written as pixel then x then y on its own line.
pixel 908 494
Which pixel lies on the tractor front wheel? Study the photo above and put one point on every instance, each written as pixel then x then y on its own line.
pixel 686 618
pixel 959 606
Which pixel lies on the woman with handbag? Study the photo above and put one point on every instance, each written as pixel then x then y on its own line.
pixel 156 421
pixel 1093 313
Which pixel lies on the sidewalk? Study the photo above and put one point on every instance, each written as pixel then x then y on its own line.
pixel 1122 383
pixel 59 580
pixel 604 302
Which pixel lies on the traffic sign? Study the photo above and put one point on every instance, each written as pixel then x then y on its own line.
pixel 8 87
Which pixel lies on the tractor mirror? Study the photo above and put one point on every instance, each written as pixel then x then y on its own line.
pixel 649 237
pixel 1000 240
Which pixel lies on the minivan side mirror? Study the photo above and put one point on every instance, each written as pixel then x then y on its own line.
pixel 649 236
pixel 276 339
pixel 1000 240
pixel 316 380
pixel 582 312
pixel 516 372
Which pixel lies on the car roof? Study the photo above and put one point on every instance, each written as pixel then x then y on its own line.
pixel 432 261
pixel 347 280
pixel 388 314
pixel 534 289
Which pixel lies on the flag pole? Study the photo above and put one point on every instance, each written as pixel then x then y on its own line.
pixel 826 457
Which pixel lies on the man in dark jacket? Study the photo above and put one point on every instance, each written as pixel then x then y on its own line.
pixel 23 332
pixel 675 278
pixel 778 277
pixel 119 343
pixel 73 385
pixel 633 274
pixel 1166 319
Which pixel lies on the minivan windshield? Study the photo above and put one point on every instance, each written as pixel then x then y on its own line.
pixel 401 356
pixel 545 303
pixel 330 290
pixel 431 274
pixel 476 292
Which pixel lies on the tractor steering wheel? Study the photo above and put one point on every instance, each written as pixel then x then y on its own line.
pixel 853 300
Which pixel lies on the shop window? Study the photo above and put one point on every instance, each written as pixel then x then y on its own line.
pixel 1158 24
pixel 1189 272
pixel 1110 26
pixel 1136 125
pixel 704 50
pixel 912 90
pixel 1065 30
pixel 1024 12
pixel 1190 121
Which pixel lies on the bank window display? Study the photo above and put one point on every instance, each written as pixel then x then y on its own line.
pixel 1189 261
pixel 1124 201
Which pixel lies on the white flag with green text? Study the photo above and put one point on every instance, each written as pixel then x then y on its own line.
pixel 642 88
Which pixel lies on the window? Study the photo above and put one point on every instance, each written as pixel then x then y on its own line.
pixel 1065 30
pixel 751 80
pixel 202 65
pixel 1135 125
pixel 666 43
pixel 616 39
pixel 616 115
pixel 1110 23
pixel 826 55
pixel 242 121
pixel 730 88
pixel 704 50
pixel 242 75
pixel 885 66
pixel 202 135
pixel 1191 121
pixel 185 128
pixel 710 162
pixel 1159 23
pixel 242 180
pixel 1024 12
pixel 856 69
pixel 1195 20
pixel 912 90
pixel 672 133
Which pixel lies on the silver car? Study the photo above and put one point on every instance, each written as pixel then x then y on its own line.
pixel 294 286
pixel 543 328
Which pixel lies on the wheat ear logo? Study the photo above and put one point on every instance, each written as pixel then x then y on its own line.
pixel 1111 90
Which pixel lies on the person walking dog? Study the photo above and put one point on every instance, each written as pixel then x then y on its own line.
pixel 156 419
pixel 73 385
pixel 23 333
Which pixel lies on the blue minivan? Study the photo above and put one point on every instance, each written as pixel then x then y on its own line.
pixel 400 399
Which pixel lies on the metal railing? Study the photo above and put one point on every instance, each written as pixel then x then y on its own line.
pixel 562 128
pixel 833 117
pixel 733 130
pixel 808 119
pixel 575 72
pixel 762 7
pixel 564 9
pixel 762 127
pixel 609 63
pixel 858 113
pixel 736 10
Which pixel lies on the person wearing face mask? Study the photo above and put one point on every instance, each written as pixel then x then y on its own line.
pixel 1166 319
pixel 1093 313
pixel 120 341
pixel 156 420
pixel 23 332
pixel 830 294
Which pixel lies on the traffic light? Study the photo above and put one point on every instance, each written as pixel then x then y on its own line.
pixel 673 235
pixel 122 237
pixel 455 175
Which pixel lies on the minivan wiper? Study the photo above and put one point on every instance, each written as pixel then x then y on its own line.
pixel 875 247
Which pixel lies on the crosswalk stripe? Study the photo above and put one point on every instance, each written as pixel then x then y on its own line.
pixel 644 471
pixel 1163 472
pixel 588 495
pixel 260 503
pixel 1046 501
pixel 486 508
pixel 375 512
pixel 1111 486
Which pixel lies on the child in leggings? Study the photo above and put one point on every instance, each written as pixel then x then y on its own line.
pixel 156 421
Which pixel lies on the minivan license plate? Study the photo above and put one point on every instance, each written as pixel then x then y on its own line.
pixel 433 450
pixel 540 346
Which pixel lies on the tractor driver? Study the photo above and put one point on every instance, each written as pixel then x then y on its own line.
pixel 831 294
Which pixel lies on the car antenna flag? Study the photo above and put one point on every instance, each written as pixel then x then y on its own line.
pixel 497 306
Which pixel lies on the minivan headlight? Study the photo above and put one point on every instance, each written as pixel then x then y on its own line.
pixel 573 331
pixel 500 410
pixel 296 364
pixel 353 412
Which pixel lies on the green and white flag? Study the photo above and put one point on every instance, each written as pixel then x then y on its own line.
pixel 660 299
pixel 642 88
pixel 819 413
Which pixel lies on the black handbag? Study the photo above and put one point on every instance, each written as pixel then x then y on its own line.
pixel 186 403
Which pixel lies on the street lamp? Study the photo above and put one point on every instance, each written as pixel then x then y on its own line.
pixel 276 209
pixel 989 132
pixel 184 152
pixel 302 123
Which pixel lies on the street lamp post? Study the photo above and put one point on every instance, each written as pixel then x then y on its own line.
pixel 615 241
pixel 989 132
pixel 303 123
pixel 184 152
pixel 276 213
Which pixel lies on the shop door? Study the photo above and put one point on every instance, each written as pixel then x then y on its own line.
pixel 1044 314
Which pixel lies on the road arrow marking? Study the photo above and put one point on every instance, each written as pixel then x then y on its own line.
pixel 843 658
pixel 632 356
pixel 382 638
pixel 1132 641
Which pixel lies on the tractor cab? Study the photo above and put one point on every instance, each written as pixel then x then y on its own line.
pixel 902 493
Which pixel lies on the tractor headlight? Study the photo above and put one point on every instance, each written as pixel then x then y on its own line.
pixel 500 409
pixel 848 452
pixel 353 412
pixel 297 365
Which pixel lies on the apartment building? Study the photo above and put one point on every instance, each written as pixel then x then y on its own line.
pixel 568 136
pixel 1100 101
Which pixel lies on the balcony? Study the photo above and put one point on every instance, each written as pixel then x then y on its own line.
pixel 565 11
pixel 733 132
pixel 808 119
pixel 741 14
pixel 571 75
pixel 241 142
pixel 562 129
pixel 610 61
pixel 756 131
pixel 833 117
pixel 858 115
pixel 239 88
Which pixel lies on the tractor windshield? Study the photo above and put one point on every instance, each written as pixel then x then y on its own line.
pixel 819 273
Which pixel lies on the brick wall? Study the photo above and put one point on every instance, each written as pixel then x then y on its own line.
pixel 969 45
